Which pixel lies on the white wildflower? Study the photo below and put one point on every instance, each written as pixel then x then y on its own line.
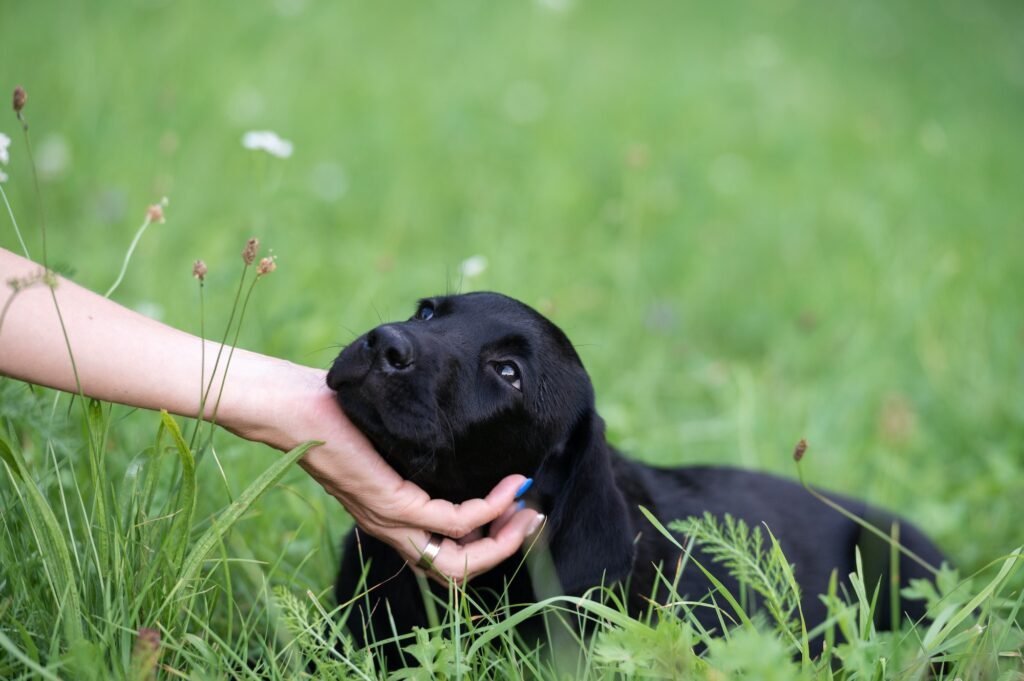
pixel 3 176
pixel 268 141
pixel 473 266
pixel 5 142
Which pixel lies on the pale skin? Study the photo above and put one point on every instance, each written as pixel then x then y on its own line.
pixel 124 357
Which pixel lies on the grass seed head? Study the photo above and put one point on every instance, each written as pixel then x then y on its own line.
pixel 266 266
pixel 798 451
pixel 19 99
pixel 146 654
pixel 199 270
pixel 40 276
pixel 252 247
pixel 155 213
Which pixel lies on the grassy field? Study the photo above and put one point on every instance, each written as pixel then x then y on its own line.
pixel 759 223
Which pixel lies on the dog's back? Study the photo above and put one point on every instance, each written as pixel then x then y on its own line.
pixel 814 537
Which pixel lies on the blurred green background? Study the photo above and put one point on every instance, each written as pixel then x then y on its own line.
pixel 757 221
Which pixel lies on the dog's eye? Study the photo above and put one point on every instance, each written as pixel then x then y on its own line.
pixel 509 372
pixel 425 312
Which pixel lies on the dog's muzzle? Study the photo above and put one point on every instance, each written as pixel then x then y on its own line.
pixel 390 349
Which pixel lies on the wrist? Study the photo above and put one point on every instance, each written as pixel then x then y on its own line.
pixel 270 401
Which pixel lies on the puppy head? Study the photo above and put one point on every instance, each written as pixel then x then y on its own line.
pixel 470 389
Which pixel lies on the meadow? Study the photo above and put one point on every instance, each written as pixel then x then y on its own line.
pixel 759 223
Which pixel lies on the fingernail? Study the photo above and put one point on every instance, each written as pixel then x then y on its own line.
pixel 535 525
pixel 525 486
pixel 520 505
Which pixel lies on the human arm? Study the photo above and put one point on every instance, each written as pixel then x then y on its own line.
pixel 124 357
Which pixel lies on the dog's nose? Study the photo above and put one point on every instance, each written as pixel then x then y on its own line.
pixel 391 348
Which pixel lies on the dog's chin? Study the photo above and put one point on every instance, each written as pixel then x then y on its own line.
pixel 414 461
pixel 421 456
pixel 429 469
pixel 435 472
pixel 412 464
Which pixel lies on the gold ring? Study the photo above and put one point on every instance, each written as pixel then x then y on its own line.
pixel 430 551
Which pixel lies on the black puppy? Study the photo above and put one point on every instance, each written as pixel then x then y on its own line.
pixel 479 386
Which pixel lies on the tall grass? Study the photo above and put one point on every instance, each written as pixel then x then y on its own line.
pixel 116 576
pixel 90 561
pixel 101 573
pixel 84 596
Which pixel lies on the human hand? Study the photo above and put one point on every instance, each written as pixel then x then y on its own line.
pixel 383 503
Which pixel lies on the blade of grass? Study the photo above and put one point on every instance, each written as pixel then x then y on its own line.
pixel 583 604
pixel 938 632
pixel 185 504
pixel 854 518
pixel 14 222
pixel 194 560
pixel 15 652
pixel 779 557
pixel 52 544
pixel 96 432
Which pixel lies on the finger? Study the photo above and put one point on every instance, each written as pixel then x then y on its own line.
pixel 463 562
pixel 499 522
pixel 478 533
pixel 458 520
pixel 411 545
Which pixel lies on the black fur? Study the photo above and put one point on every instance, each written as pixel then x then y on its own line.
pixel 429 394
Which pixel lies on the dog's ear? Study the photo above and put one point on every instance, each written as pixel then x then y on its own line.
pixel 588 530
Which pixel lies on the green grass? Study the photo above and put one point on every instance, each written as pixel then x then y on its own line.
pixel 758 223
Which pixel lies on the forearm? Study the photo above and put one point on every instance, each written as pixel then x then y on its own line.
pixel 122 356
